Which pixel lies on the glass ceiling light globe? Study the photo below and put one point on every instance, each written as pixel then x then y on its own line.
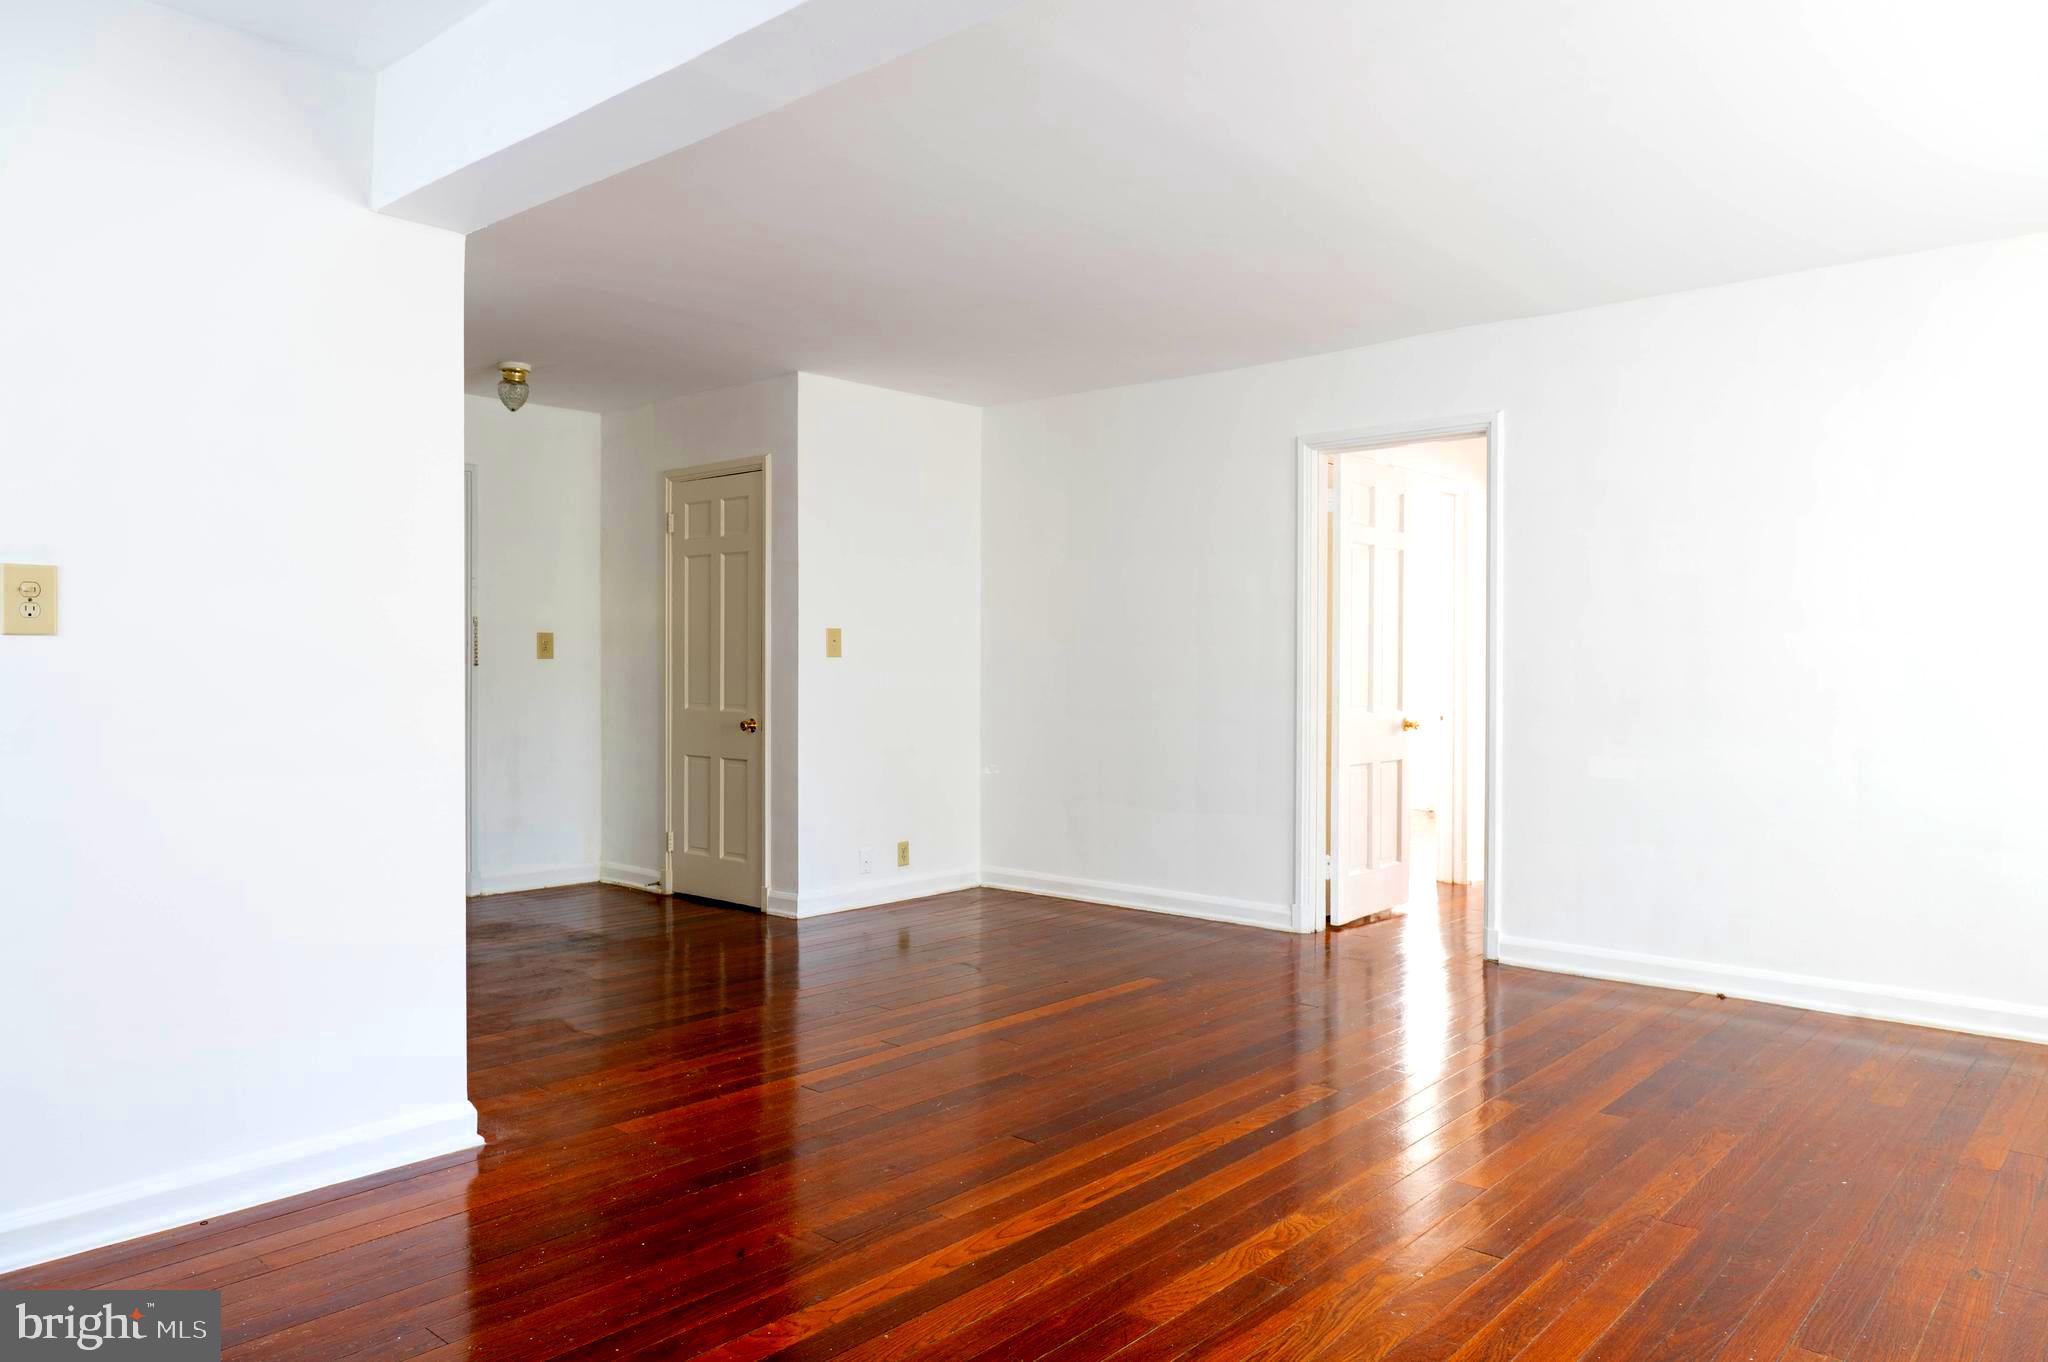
pixel 512 377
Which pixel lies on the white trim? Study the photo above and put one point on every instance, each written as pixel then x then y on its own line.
pixel 1306 913
pixel 879 893
pixel 1496 674
pixel 537 877
pixel 472 632
pixel 757 463
pixel 629 876
pixel 1310 607
pixel 752 463
pixel 1209 907
pixel 58 1229
pixel 1916 1007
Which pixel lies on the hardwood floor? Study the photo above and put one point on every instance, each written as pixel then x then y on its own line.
pixel 993 1125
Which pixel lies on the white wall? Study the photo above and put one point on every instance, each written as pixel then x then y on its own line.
pixel 231 787
pixel 890 522
pixel 534 724
pixel 639 446
pixel 1773 721
pixel 890 546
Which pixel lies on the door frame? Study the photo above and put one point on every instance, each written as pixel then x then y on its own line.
pixel 471 660
pixel 758 463
pixel 1311 607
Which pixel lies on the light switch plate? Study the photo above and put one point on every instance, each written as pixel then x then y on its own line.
pixel 544 646
pixel 831 643
pixel 28 602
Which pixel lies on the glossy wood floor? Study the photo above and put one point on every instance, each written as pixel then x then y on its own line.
pixel 991 1125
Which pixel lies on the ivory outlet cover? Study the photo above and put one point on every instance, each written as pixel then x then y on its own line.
pixel 544 646
pixel 28 598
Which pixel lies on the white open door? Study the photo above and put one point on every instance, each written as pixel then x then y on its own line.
pixel 1370 854
pixel 716 764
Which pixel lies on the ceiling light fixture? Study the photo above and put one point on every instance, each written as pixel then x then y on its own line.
pixel 512 377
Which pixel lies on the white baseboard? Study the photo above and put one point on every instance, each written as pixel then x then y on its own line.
pixel 629 876
pixel 882 889
pixel 536 877
pixel 58 1229
pixel 1916 1007
pixel 1243 912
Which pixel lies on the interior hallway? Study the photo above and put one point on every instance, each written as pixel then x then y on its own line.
pixel 924 1130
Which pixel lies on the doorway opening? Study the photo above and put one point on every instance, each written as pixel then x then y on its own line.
pixel 1400 695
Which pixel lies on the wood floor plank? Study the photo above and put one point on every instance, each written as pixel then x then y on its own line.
pixel 2030 1260
pixel 1962 1319
pixel 993 1125
pixel 2018 1331
pixel 1579 1324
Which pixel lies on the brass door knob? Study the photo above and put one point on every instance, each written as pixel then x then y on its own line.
pixel 1409 724
pixel 749 725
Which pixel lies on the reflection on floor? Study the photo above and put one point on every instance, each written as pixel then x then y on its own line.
pixel 1427 862
pixel 1426 893
pixel 993 1125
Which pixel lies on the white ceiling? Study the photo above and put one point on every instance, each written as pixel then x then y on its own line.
pixel 1094 192
pixel 365 33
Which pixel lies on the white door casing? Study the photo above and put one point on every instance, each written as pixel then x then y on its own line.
pixel 1485 559
pixel 1369 795
pixel 472 658
pixel 717 760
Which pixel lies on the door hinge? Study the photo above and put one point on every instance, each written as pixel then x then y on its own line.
pixel 671 843
pixel 671 522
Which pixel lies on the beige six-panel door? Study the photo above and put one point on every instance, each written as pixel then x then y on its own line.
pixel 717 542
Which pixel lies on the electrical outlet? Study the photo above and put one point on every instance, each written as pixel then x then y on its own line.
pixel 867 860
pixel 544 646
pixel 903 853
pixel 28 605
pixel 832 643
